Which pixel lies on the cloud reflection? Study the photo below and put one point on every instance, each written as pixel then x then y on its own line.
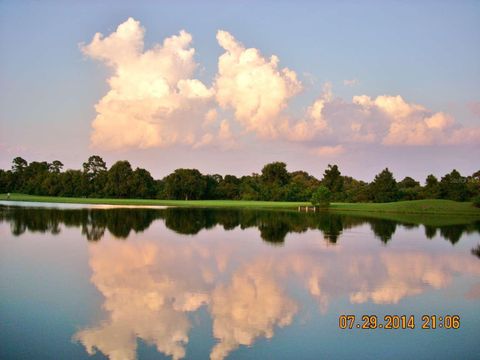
pixel 151 287
pixel 249 307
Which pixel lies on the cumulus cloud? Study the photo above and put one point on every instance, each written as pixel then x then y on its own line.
pixel 313 122
pixel 412 124
pixel 253 86
pixel 154 100
pixel 385 120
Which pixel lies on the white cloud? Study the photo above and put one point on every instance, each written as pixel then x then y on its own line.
pixel 314 121
pixel 253 86
pixel 210 117
pixel 154 100
pixel 412 124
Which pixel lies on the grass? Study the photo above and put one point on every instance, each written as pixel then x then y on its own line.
pixel 414 207
pixel 150 202
pixel 430 206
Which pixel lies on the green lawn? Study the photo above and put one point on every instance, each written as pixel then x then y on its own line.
pixel 147 202
pixel 433 207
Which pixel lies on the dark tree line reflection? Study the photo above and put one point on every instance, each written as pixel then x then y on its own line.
pixel 93 222
pixel 272 225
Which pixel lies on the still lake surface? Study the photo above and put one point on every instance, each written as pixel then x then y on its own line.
pixel 89 283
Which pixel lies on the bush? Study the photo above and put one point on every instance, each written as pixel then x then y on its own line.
pixel 321 197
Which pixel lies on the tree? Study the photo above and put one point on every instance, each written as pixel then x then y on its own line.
pixel 384 187
pixel 18 171
pixel 408 183
pixel 301 186
pixel 51 184
pixel 119 180
pixel 476 176
pixel 274 178
pixel 229 188
pixel 453 186
pixel 333 180
pixel 250 187
pixel 185 184
pixel 6 181
pixel 212 185
pixel 473 184
pixel 274 183
pixel 142 184
pixel 33 176
pixel 275 173
pixel 55 167
pixel 19 164
pixel 410 189
pixel 321 197
pixel 73 183
pixel 431 189
pixel 94 165
pixel 355 190
pixel 96 171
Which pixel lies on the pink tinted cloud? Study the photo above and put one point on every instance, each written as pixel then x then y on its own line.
pixel 154 100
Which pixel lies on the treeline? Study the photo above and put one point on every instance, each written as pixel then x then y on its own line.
pixel 274 183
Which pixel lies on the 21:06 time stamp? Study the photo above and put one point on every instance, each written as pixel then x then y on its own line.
pixel 394 322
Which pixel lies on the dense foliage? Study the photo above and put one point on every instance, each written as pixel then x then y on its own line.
pixel 274 183
pixel 321 197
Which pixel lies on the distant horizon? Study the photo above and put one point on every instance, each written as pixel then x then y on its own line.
pixel 208 86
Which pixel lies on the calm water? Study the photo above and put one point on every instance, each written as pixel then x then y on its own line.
pixel 83 283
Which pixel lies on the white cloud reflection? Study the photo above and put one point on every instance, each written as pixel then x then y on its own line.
pixel 151 287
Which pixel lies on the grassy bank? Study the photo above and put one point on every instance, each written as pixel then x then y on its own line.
pixel 419 207
pixel 431 206
pixel 149 202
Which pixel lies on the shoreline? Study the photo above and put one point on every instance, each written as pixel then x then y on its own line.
pixel 413 207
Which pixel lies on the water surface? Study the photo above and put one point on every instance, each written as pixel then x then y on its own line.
pixel 86 283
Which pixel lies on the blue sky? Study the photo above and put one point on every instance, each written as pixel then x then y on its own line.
pixel 427 53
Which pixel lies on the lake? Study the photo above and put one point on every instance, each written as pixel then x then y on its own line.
pixel 94 283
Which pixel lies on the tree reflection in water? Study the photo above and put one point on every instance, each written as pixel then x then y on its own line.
pixel 273 226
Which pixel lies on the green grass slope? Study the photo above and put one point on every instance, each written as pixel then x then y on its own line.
pixel 432 207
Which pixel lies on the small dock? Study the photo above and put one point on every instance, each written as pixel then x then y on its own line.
pixel 308 208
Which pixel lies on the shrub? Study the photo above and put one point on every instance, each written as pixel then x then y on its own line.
pixel 321 197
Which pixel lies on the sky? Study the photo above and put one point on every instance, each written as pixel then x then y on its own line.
pixel 228 87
